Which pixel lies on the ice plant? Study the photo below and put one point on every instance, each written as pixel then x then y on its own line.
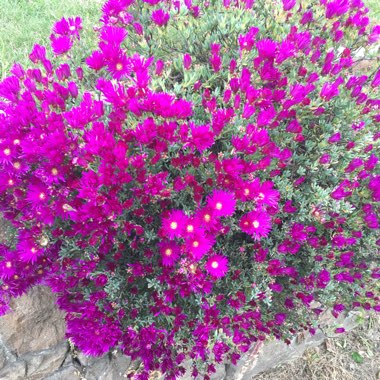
pixel 208 172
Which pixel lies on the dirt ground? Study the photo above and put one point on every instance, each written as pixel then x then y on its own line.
pixel 352 356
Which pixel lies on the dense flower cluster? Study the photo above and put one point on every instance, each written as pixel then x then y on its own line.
pixel 218 178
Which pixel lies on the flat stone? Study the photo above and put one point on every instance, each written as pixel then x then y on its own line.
pixel 109 367
pixel 65 373
pixel 34 324
pixel 270 355
pixel 43 363
pixel 14 371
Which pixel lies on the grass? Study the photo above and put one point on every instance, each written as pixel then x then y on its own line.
pixel 26 22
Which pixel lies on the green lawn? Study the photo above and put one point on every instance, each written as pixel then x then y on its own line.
pixel 25 22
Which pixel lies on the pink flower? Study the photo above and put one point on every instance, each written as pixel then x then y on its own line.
pixel 288 4
pixel 174 224
pixel 169 253
pixel 202 137
pixel 187 61
pixel 222 203
pixel 266 48
pixel 160 17
pixel 119 66
pixel 160 65
pixel 217 266
pixel 198 245
pixel 96 60
pixel 334 138
pixel 60 45
pixel 256 223
pixel 113 35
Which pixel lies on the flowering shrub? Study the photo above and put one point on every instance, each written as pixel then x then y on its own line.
pixel 208 179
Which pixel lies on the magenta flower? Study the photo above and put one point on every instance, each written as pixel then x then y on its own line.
pixel 169 253
pixel 256 223
pixel 61 45
pixel 288 4
pixel 160 65
pixel 217 266
pixel 72 26
pixel 202 138
pixel 266 48
pixel 96 60
pixel 198 245
pixel 187 61
pixel 160 17
pixel 222 203
pixel 119 66
pixel 174 224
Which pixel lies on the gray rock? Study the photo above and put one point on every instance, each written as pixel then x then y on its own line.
pixel 109 367
pixel 34 324
pixel 14 371
pixel 65 373
pixel 271 355
pixel 43 363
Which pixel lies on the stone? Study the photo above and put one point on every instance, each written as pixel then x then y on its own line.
pixel 43 363
pixel 109 367
pixel 34 324
pixel 68 372
pixel 270 355
pixel 14 371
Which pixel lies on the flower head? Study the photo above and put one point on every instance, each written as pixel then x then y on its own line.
pixel 222 203
pixel 217 266
pixel 174 224
pixel 256 223
pixel 169 253
pixel 61 45
pixel 160 17
pixel 198 245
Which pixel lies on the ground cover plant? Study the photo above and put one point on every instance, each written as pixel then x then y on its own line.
pixel 206 179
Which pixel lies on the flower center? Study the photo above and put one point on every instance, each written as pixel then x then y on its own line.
pixel 42 196
pixel 168 252
pixel 173 225
pixel 119 67
pixel 246 192
pixel 255 224
pixel 207 217
pixel 10 182
pixel 72 28
pixel 33 250
pixel 195 244
pixel 261 196
pixel 17 165
pixel 214 264
pixel 54 171
pixel 7 151
pixel 219 206
pixel 16 142
pixel 16 277
pixel 8 264
pixel 190 228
